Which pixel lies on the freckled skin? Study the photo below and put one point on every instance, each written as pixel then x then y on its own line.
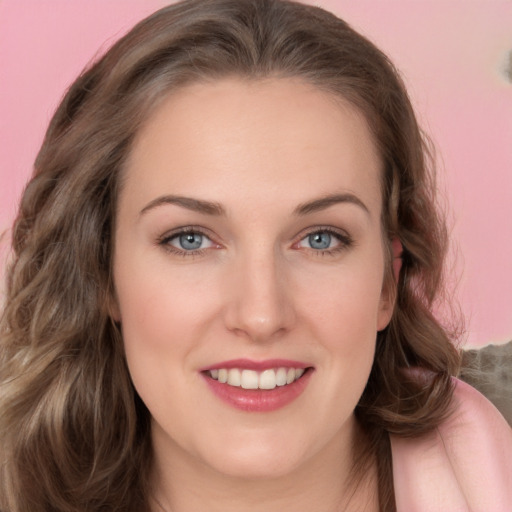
pixel 260 286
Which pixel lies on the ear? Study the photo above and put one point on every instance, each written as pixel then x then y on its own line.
pixel 114 313
pixel 397 250
pixel 112 306
pixel 388 294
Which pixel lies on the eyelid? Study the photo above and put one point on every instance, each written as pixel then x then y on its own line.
pixel 340 234
pixel 343 237
pixel 184 230
pixel 164 239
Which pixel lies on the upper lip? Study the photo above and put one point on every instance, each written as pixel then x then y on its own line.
pixel 250 364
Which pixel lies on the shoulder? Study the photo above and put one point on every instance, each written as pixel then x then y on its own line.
pixel 464 465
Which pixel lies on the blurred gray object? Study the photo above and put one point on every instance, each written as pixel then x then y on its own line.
pixel 489 370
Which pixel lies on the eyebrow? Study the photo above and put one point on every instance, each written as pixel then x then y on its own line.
pixel 196 205
pixel 212 208
pixel 325 202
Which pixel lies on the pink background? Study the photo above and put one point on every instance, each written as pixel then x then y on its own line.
pixel 454 55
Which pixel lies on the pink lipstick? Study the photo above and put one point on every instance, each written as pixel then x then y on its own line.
pixel 257 386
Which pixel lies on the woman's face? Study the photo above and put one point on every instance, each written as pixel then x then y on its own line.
pixel 249 248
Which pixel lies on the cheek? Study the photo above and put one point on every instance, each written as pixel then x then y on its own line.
pixel 146 318
pixel 348 325
pixel 160 325
pixel 345 317
pixel 348 298
pixel 155 315
pixel 166 313
pixel 342 320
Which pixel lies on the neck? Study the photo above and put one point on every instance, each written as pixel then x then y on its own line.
pixel 323 484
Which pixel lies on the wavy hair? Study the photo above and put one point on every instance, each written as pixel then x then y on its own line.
pixel 74 435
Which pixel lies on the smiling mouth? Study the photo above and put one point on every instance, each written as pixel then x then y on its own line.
pixel 253 386
pixel 251 379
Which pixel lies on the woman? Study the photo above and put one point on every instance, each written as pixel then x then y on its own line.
pixel 224 270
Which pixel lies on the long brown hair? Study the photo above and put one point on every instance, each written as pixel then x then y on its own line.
pixel 74 435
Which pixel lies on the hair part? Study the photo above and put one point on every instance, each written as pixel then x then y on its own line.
pixel 74 435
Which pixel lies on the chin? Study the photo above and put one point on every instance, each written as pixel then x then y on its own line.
pixel 256 461
pixel 268 468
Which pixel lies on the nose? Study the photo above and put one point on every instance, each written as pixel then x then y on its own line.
pixel 260 306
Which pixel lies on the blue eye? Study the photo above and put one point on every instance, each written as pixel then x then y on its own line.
pixel 187 241
pixel 325 241
pixel 190 241
pixel 320 240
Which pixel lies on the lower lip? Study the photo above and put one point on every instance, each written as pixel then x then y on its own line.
pixel 258 400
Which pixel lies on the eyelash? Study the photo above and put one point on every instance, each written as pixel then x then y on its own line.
pixel 345 241
pixel 165 240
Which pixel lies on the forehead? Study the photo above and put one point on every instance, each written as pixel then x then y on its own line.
pixel 240 136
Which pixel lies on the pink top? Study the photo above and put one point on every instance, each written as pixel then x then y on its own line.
pixel 465 465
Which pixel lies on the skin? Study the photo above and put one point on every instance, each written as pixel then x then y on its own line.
pixel 256 289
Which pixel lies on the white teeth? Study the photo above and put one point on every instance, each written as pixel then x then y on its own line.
pixel 251 379
pixel 223 375
pixel 281 377
pixel 268 379
pixel 234 377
